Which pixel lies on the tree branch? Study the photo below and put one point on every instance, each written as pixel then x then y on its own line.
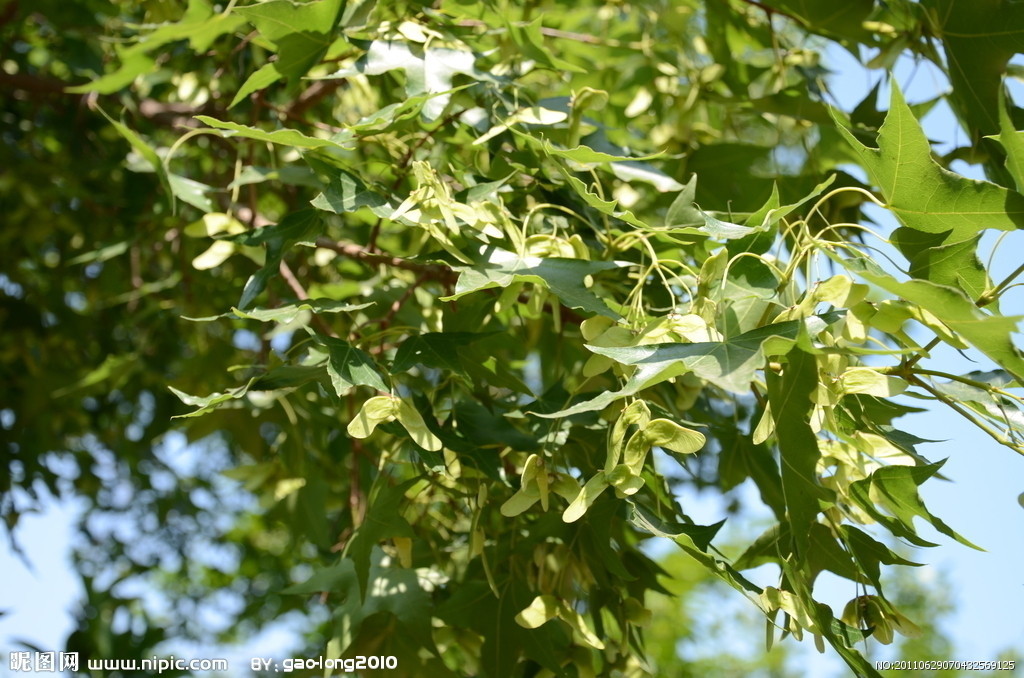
pixel 353 251
pixel 303 295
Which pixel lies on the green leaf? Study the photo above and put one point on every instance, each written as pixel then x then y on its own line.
pixel 566 278
pixel 259 80
pixel 682 211
pixel 290 312
pixel 488 430
pixel 142 148
pixel 133 65
pixel 531 41
pixel 211 402
pixel 294 175
pixel 301 226
pixel 730 364
pixel 437 350
pixel 191 192
pixel 349 366
pixel 991 334
pixel 337 578
pixel 979 38
pixel 600 204
pixel 894 489
pixel 300 32
pixel 1012 142
pixel 694 545
pixel 383 119
pixel 699 536
pixel 114 368
pixel 200 26
pixel 954 208
pixel 596 536
pixel 954 264
pixel 870 554
pixel 383 521
pixel 492 616
pixel 286 376
pixel 284 137
pixel 722 230
pixel 348 194
pixel 843 21
pixel 790 398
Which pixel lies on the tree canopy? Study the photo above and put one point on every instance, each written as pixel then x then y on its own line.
pixel 413 318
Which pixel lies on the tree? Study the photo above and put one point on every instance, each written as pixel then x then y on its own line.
pixel 437 284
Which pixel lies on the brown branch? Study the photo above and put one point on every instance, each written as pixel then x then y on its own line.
pixel 311 96
pixel 396 306
pixel 37 86
pixel 33 84
pixel 9 12
pixel 303 295
pixel 353 251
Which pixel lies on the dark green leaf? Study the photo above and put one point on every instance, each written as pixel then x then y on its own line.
pixel 894 489
pixel 790 398
pixel 350 366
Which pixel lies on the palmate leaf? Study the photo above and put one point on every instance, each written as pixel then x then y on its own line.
pixel 902 166
pixel 260 79
pixel 929 199
pixel 348 194
pixel 301 32
pixel 289 312
pixel 894 489
pixel 600 204
pixel 474 606
pixel 979 37
pixel 437 350
pixel 871 554
pixel 730 365
pixel 349 366
pixel 395 590
pixel 841 20
pixel 211 402
pixel 295 227
pixel 1012 141
pixel 942 222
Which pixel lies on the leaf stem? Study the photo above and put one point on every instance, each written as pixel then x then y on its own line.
pixel 956 407
pixel 988 297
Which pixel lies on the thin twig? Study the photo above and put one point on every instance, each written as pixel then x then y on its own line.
pixel 360 253
pixel 956 407
pixel 303 295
